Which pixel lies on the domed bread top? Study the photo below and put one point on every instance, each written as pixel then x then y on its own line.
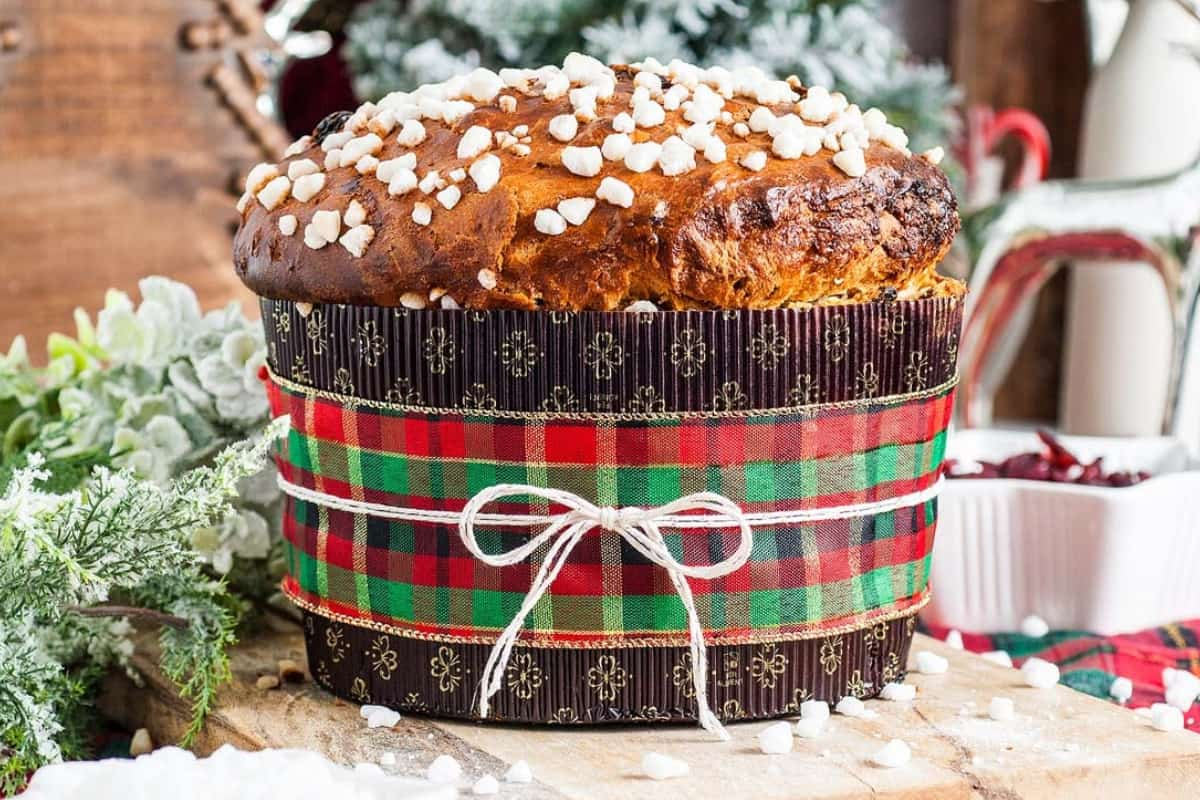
pixel 595 187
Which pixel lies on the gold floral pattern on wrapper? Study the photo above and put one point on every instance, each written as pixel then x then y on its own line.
pixel 831 654
pixel 316 331
pixel 343 382
pixel 404 393
pixel 916 372
pixel 335 639
pixel 891 327
pixel 729 397
pixel 732 710
pixel 681 676
pixel 522 676
pixel 767 665
pixel 478 398
pixel 438 350
pixel 604 355
pixel 866 382
pixel 855 686
pixel 807 391
pixel 300 369
pixel 370 343
pixel 384 660
pixel 892 671
pixel 446 668
pixel 646 400
pixel 282 320
pixel 769 347
pixel 561 399
pixel 519 354
pixel 565 716
pixel 837 338
pixel 688 352
pixel 607 678
pixel 799 696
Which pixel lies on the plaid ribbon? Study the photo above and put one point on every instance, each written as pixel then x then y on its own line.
pixel 801 580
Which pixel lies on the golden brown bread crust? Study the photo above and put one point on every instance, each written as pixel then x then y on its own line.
pixel 720 236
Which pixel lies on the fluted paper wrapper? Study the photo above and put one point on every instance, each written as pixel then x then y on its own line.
pixel 634 365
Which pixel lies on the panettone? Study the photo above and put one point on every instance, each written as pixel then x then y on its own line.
pixel 592 188
pixel 518 491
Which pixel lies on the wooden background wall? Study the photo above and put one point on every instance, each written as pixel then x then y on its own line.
pixel 118 149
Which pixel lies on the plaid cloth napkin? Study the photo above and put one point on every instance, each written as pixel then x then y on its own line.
pixel 1089 663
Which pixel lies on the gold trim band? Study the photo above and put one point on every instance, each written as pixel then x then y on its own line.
pixel 865 620
pixel 619 416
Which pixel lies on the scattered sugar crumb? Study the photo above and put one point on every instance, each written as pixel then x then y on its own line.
pixel 1000 657
pixel 1001 709
pixel 895 753
pixel 928 663
pixel 444 769
pixel 486 785
pixel 1034 626
pixel 660 767
pixel 898 692
pixel 810 727
pixel 519 773
pixel 850 706
pixel 1039 674
pixel 776 739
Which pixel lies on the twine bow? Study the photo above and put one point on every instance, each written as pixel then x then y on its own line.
pixel 638 526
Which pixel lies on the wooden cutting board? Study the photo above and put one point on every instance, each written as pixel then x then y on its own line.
pixel 1062 744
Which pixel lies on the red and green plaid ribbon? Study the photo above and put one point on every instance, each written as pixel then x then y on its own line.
pixel 418 578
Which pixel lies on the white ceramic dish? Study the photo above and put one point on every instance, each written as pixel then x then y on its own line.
pixel 1107 560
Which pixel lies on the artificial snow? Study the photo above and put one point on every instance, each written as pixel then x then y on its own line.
pixel 814 709
pixel 1000 657
pixel 1121 690
pixel 228 774
pixel 811 727
pixel 1034 626
pixel 776 739
pixel 1166 717
pixel 486 785
pixel 382 717
pixel 1001 709
pixel 850 706
pixel 1181 688
pixel 660 767
pixel 928 663
pixel 1039 674
pixel 444 769
pixel 519 773
pixel 893 754
pixel 898 692
pixel 954 639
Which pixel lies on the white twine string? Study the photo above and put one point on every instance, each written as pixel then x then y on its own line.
pixel 641 527
pixel 757 519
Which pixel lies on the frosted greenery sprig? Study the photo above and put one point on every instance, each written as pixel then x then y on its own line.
pixel 119 535
pixel 133 478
